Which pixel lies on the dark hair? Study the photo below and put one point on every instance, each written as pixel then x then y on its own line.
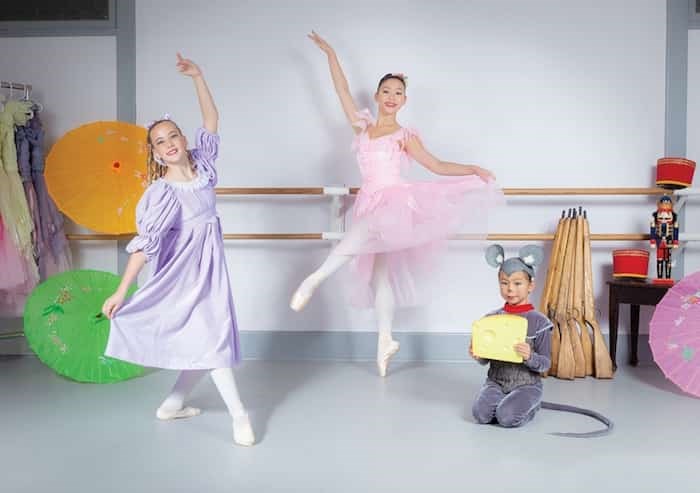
pixel 399 77
pixel 155 170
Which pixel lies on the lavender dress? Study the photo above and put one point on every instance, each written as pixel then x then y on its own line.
pixel 183 317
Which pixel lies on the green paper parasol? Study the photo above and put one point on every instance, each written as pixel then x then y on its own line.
pixel 66 329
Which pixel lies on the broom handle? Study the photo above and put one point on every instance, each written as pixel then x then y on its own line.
pixel 579 281
pixel 547 293
pixel 566 364
pixel 602 363
pixel 556 296
pixel 548 298
pixel 574 337
pixel 559 265
pixel 570 280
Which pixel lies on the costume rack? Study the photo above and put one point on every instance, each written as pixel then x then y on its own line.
pixel 20 86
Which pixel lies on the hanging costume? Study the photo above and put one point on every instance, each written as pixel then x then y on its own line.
pixel 17 251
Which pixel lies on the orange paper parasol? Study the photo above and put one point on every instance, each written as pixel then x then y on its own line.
pixel 96 174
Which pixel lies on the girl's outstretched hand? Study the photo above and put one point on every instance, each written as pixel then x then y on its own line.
pixel 112 304
pixel 471 351
pixel 321 43
pixel 187 67
pixel 484 174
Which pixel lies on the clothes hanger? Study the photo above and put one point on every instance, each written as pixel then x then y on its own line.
pixel 36 105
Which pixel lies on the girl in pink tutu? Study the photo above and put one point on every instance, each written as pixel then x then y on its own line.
pixel 398 227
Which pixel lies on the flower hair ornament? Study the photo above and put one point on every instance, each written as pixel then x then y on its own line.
pixel 528 258
pixel 401 76
pixel 395 75
pixel 165 117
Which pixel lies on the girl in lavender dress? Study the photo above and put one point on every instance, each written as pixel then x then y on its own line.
pixel 398 226
pixel 183 317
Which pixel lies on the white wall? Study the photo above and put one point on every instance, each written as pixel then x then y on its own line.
pixel 692 218
pixel 75 80
pixel 544 93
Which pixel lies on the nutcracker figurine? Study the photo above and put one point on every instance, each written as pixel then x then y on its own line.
pixel 663 236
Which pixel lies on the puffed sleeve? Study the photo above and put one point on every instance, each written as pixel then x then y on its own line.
pixel 207 143
pixel 156 213
pixel 364 119
pixel 206 152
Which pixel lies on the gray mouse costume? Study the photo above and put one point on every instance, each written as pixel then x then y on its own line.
pixel 512 393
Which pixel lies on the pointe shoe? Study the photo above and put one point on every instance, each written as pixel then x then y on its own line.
pixel 243 431
pixel 384 354
pixel 185 412
pixel 302 295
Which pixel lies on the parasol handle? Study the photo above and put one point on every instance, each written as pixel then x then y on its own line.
pixel 96 319
pixel 52 308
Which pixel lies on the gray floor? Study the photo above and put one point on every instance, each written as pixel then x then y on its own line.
pixel 337 427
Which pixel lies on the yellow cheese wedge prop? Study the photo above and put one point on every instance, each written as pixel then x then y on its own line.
pixel 493 337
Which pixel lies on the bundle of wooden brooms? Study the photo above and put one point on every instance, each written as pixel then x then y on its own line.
pixel 567 300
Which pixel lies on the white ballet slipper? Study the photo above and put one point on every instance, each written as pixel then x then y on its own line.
pixel 384 353
pixel 243 431
pixel 303 294
pixel 185 412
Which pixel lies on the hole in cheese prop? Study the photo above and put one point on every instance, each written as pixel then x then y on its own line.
pixel 493 337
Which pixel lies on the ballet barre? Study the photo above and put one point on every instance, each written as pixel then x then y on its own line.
pixel 338 192
pixel 342 191
pixel 337 236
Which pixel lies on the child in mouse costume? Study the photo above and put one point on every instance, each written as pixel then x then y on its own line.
pixel 512 393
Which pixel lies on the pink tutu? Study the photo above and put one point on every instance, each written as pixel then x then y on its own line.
pixel 408 222
pixel 16 282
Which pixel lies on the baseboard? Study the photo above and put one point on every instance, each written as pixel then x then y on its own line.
pixel 355 346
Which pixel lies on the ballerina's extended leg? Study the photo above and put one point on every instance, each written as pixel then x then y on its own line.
pixel 384 306
pixel 352 240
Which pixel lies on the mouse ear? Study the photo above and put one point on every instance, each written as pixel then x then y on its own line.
pixel 494 255
pixel 532 255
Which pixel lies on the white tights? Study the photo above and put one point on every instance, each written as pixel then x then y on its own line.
pixel 384 303
pixel 223 379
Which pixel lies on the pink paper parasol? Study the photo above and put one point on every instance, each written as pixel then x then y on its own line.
pixel 674 334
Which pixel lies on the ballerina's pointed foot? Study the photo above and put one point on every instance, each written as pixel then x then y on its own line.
pixel 185 412
pixel 243 431
pixel 303 294
pixel 385 351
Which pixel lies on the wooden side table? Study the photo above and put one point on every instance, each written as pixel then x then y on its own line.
pixel 634 293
